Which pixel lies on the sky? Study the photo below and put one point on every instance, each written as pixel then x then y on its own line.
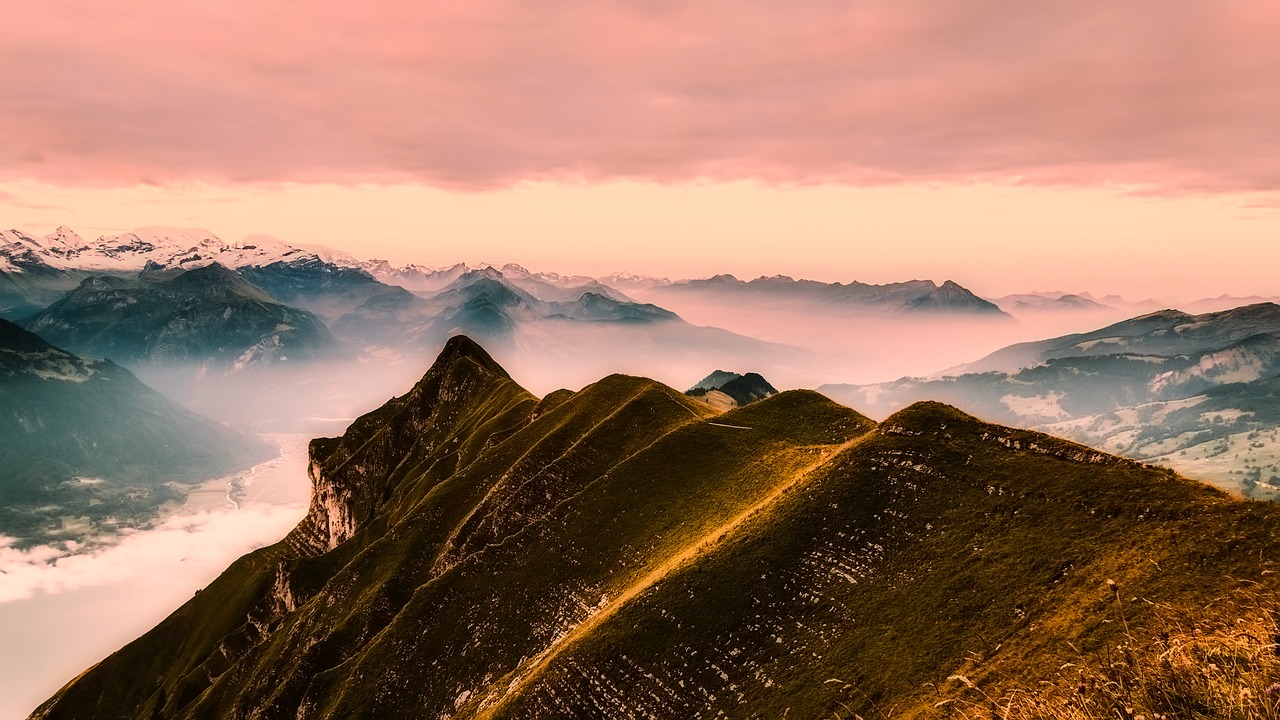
pixel 1116 147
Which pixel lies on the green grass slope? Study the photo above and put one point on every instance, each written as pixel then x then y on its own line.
pixel 623 552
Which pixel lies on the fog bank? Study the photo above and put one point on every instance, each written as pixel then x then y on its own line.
pixel 77 604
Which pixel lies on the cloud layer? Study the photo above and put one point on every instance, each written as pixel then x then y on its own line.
pixel 1177 95
pixel 204 542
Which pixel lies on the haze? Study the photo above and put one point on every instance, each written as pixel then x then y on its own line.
pixel 1113 147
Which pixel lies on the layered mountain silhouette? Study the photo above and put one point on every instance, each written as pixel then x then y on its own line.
pixel 912 297
pixel 487 304
pixel 724 390
pixel 327 289
pixel 1165 333
pixel 1194 391
pixel 84 439
pixel 206 315
pixel 624 551
pixel 1020 303
pixel 36 270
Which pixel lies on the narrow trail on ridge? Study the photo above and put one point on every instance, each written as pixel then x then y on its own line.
pixel 538 663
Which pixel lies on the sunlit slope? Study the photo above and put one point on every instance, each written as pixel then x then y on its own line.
pixel 623 551
pixel 939 545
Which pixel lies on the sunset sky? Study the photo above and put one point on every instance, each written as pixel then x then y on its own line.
pixel 1119 147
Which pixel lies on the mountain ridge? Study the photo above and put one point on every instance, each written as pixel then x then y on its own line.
pixel 623 551
pixel 206 314
pixel 1170 387
pixel 86 439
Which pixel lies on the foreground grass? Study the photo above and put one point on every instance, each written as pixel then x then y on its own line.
pixel 1220 660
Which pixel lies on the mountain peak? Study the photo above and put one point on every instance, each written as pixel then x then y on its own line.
pixel 925 415
pixel 461 347
pixel 715 380
pixel 722 387
pixel 65 237
pixel 215 275
pixel 14 338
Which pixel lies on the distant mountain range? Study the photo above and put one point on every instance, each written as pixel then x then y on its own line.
pixel 1193 391
pixel 84 442
pixel 1048 302
pixel 916 296
pixel 34 270
pixel 163 247
pixel 205 315
pixel 623 551
pixel 82 294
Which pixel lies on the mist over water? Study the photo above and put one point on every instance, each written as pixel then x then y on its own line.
pixel 79 602
pixel 839 345
pixel 794 345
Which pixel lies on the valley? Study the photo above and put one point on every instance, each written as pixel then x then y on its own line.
pixel 472 550
pixel 524 537
pixel 79 601
pixel 640 361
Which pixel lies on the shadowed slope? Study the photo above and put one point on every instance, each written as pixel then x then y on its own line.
pixel 85 438
pixel 622 552
pixel 938 545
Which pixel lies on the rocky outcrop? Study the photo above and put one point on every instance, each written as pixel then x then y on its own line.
pixel 447 417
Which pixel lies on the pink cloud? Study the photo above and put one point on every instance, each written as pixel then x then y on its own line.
pixel 1175 95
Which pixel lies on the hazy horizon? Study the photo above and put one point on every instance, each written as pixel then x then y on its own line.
pixel 1117 148
pixel 1113 148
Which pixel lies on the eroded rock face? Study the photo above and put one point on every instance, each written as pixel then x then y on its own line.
pixel 436 421
pixel 624 551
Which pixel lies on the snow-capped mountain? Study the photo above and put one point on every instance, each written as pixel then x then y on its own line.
pixel 162 247
pixel 630 282
pixel 545 286
pixel 418 278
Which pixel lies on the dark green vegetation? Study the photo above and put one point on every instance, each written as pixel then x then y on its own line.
pixel 625 552
pixel 209 314
pixel 85 440
pixel 1165 387
pixel 724 389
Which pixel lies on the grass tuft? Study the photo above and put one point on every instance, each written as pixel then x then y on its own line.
pixel 1220 660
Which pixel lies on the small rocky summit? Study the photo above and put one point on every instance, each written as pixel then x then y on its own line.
pixel 724 390
pixel 625 551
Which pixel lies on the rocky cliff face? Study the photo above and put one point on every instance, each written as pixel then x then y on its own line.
pixel 442 421
pixel 626 552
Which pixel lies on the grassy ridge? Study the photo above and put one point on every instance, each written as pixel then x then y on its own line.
pixel 624 552
pixel 932 549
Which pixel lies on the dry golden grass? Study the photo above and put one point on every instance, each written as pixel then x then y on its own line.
pixel 1218 661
